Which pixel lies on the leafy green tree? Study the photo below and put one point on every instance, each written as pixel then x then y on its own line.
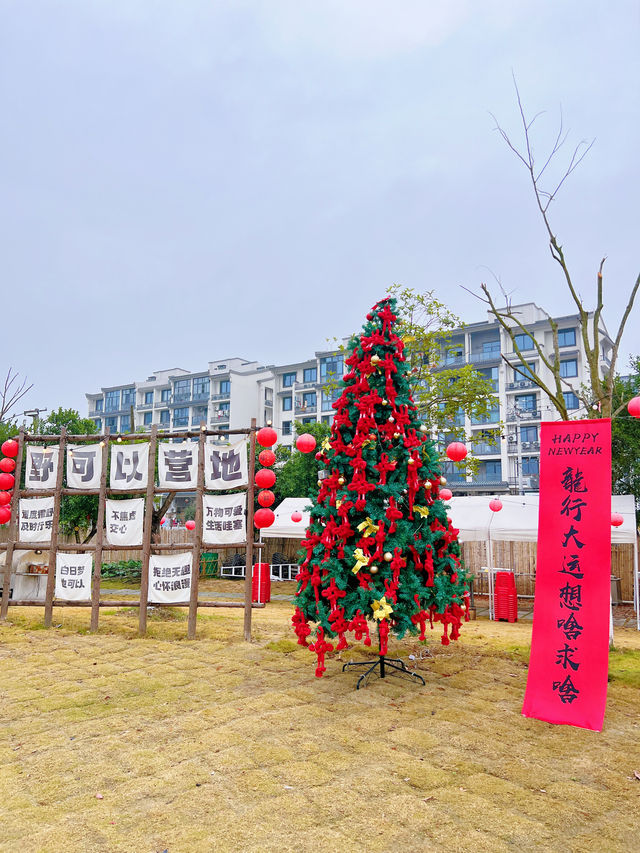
pixel 625 439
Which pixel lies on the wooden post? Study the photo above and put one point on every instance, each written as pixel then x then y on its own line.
pixel 97 561
pixel 196 553
pixel 146 533
pixel 248 577
pixel 53 547
pixel 14 528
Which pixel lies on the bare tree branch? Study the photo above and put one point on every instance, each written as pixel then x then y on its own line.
pixel 12 391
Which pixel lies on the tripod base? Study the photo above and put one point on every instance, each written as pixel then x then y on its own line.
pixel 394 664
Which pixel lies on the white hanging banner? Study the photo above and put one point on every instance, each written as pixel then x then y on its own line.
pixel 223 519
pixel 84 466
pixel 178 465
pixel 73 576
pixel 225 466
pixel 123 521
pixel 42 467
pixel 36 519
pixel 129 467
pixel 170 578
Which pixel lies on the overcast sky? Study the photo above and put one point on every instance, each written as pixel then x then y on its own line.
pixel 189 180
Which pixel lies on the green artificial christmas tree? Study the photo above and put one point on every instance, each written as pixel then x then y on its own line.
pixel 379 547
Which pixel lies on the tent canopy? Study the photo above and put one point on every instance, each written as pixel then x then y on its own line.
pixel 517 521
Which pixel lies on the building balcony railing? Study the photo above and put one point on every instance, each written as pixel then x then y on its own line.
pixel 485 449
pixel 525 447
pixel 524 415
pixel 224 396
pixel 481 356
pixel 306 410
pixel 520 383
pixel 142 407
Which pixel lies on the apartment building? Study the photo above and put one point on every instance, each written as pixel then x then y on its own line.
pixel 506 442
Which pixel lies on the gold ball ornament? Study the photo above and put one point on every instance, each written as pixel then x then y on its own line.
pixel 319 482
pixel 427 484
pixel 390 419
pixel 443 481
pixel 424 428
pixel 396 434
pixel 411 461
pixel 388 556
pixel 375 359
pixel 373 570
pixel 341 481
pixel 385 402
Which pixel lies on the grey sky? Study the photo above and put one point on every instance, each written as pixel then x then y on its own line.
pixel 186 180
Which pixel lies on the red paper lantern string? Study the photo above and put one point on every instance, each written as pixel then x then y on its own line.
pixel 266 458
pixel 10 447
pixel 5 498
pixel 264 518
pixel 7 481
pixel 7 465
pixel 296 516
pixel 456 451
pixel 616 519
pixel 265 478
pixel 266 437
pixel 306 443
pixel 446 494
pixel 633 407
pixel 5 514
pixel 266 498
pixel 190 525
pixel 495 505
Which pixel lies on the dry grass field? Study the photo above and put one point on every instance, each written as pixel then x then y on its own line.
pixel 112 743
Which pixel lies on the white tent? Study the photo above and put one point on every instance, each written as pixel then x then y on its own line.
pixel 283 527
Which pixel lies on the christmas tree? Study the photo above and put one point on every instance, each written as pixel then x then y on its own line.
pixel 380 549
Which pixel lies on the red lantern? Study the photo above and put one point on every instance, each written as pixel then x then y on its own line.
pixel 306 443
pixel 264 478
pixel 267 457
pixel 446 494
pixel 7 465
pixel 616 518
pixel 633 406
pixel 296 516
pixel 163 521
pixel 10 447
pixel 7 481
pixel 190 525
pixel 264 518
pixel 5 514
pixel 267 436
pixel 5 498
pixel 456 451
pixel 495 505
pixel 266 498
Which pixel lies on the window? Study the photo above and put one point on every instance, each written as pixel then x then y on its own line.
pixel 225 386
pixel 181 391
pixel 308 420
pixel 201 388
pixel 526 402
pixel 454 354
pixel 452 473
pixel 331 367
pixel 125 423
pixel 112 401
pixel 223 411
pixel 309 400
pixel 329 398
pixel 528 433
pixel 180 417
pixel 147 418
pixel 111 424
pixel 198 413
pixel 288 379
pixel 569 367
pixel 310 374
pixel 268 396
pixel 491 374
pixel 490 471
pixel 521 372
pixel 98 423
pixel 566 337
pixel 148 398
pixel 326 419
pixel 128 397
pixel 165 417
pixel 287 403
pixel 530 465
pixel 570 400
pixel 492 416
pixel 286 427
pixel 99 404
pixel 524 342
pixel 491 347
pixel 165 395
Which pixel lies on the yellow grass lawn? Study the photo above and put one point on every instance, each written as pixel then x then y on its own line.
pixel 113 743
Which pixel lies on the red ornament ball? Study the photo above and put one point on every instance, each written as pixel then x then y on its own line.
pixel 5 514
pixel 7 481
pixel 296 516
pixel 190 525
pixel 10 447
pixel 495 505
pixel 319 456
pixel 5 498
pixel 267 457
pixel 264 518
pixel 267 436
pixel 446 494
pixel 306 443
pixel 633 407
pixel 616 519
pixel 266 498
pixel 456 451
pixel 7 465
pixel 265 478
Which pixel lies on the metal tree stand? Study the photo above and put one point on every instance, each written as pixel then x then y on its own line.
pixel 382 663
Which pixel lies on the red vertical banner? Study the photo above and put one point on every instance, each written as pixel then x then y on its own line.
pixel 568 669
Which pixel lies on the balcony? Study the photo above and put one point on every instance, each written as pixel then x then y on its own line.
pixel 519 384
pixel 524 415
pixel 485 449
pixel 225 396
pixel 143 407
pixel 481 356
pixel 306 410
